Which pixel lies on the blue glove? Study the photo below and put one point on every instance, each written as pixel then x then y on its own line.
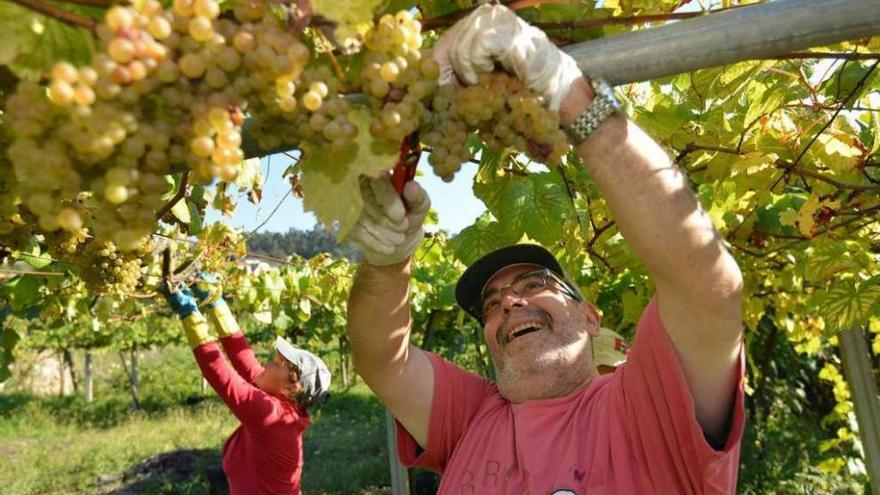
pixel 182 302
pixel 207 290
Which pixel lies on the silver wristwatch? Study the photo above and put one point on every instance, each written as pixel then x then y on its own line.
pixel 604 105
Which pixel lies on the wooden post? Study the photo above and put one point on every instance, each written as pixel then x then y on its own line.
pixel 399 475
pixel 88 391
pixel 132 378
pixel 135 380
pixel 343 360
pixel 863 386
pixel 61 379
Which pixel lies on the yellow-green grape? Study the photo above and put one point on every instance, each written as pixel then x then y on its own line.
pixel 61 93
pixel 116 193
pixel 201 28
pixel 202 146
pixel 121 50
pixel 312 101
pixel 183 8
pixel 118 17
pixel 320 88
pixel 64 72
pixel 206 8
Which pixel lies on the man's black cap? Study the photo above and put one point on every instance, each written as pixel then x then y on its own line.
pixel 470 286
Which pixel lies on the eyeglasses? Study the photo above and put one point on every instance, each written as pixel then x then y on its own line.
pixel 525 285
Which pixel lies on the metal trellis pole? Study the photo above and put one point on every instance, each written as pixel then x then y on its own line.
pixel 754 32
pixel 863 387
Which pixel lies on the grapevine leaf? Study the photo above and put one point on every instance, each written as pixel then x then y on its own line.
pixel 195 219
pixel 830 258
pixel 249 176
pixel 322 197
pixel 23 292
pixel 181 211
pixel 840 153
pixel 875 120
pixel 805 220
pixel 534 205
pixel 304 310
pixel 346 12
pixel 264 317
pixel 53 41
pixel 480 238
pixel 847 303
pixel 328 178
pixel 16 35
pixel 844 82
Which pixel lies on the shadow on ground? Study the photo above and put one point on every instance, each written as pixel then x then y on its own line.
pixel 185 472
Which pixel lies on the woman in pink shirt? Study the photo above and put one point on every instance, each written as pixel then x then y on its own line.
pixel 272 400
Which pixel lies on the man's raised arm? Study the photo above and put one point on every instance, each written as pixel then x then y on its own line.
pixel 379 321
pixel 698 282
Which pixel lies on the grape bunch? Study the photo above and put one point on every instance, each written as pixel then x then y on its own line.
pixel 168 91
pixel 399 76
pixel 324 123
pixel 505 114
pixel 105 269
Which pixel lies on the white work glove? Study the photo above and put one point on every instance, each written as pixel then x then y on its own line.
pixel 495 33
pixel 386 231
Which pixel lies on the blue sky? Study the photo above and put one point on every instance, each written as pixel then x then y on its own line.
pixel 454 202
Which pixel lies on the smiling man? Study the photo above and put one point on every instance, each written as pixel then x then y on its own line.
pixel 668 421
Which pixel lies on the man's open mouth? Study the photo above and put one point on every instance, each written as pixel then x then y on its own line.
pixel 523 329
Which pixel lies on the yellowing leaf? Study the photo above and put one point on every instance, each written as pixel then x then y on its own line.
pixel 838 152
pixel 753 162
pixel 847 303
pixel 788 217
pixel 351 12
pixel 249 175
pixel 805 222
pixel 322 196
pixel 331 182
pixel 181 211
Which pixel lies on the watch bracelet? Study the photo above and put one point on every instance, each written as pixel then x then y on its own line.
pixel 590 119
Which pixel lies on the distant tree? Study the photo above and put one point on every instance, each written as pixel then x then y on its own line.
pixel 306 243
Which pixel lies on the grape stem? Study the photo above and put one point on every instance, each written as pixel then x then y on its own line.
pixel 56 13
pixel 92 3
pixel 181 192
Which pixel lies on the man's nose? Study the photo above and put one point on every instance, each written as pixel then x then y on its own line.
pixel 510 299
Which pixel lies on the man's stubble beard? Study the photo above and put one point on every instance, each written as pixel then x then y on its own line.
pixel 552 372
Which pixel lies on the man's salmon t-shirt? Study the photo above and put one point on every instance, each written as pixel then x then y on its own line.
pixel 630 432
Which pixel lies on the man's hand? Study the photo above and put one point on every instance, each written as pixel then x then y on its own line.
pixel 388 233
pixel 494 33
pixel 181 299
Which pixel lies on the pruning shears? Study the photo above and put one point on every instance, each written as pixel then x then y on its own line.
pixel 407 160
pixel 186 271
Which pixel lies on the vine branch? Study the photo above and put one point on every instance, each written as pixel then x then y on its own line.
pixel 92 3
pixel 828 180
pixel 59 14
pixel 837 112
pixel 823 55
pixel 181 192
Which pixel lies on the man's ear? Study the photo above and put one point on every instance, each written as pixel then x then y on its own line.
pixel 592 317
